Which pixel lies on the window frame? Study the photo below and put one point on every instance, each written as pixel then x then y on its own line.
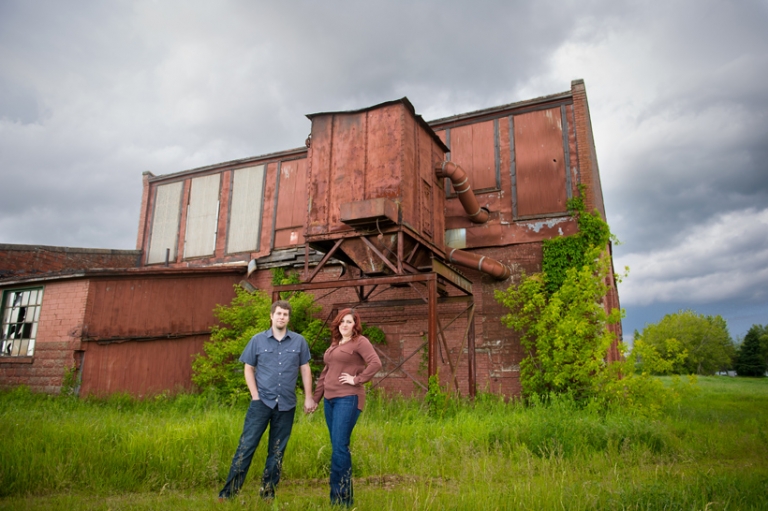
pixel 10 345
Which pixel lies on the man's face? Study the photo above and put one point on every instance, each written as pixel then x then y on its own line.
pixel 280 318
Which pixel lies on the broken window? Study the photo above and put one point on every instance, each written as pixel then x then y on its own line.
pixel 21 312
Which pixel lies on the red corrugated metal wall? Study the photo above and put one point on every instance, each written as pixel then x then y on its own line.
pixel 473 148
pixel 540 163
pixel 291 203
pixel 128 322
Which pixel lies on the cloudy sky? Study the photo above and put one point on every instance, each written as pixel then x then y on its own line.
pixel 94 93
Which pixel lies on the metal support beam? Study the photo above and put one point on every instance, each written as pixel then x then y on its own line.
pixel 432 328
pixel 376 251
pixel 325 259
pixel 452 276
pixel 411 302
pixel 406 359
pixel 472 369
pixel 370 281
pixel 399 366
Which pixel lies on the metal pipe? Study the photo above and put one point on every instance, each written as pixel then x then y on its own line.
pixel 460 182
pixel 492 267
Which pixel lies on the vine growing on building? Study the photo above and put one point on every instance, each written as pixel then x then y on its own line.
pixel 565 252
pixel 563 324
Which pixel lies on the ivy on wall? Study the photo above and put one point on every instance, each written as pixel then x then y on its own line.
pixel 560 313
pixel 566 252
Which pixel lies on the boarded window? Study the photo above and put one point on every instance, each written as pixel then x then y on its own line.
pixel 291 207
pixel 540 170
pixel 21 313
pixel 202 216
pixel 475 149
pixel 245 213
pixel 165 222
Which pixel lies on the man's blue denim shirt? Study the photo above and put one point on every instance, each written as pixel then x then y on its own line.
pixel 277 366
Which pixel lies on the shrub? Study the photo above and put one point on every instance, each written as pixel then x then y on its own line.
pixel 219 367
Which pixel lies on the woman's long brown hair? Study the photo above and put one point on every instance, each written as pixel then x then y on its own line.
pixel 356 330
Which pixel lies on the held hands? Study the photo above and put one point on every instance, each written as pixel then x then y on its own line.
pixel 309 405
pixel 347 378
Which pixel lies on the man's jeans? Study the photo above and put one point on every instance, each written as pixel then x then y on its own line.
pixel 341 414
pixel 257 419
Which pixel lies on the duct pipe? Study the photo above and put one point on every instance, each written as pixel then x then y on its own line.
pixel 460 183
pixel 492 267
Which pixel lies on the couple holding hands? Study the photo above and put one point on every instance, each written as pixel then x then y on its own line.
pixel 273 360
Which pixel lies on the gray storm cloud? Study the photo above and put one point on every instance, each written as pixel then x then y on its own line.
pixel 92 94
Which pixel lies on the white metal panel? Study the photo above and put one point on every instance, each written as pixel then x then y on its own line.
pixel 200 237
pixel 165 222
pixel 245 212
pixel 456 238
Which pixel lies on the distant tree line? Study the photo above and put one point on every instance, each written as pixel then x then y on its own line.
pixel 693 343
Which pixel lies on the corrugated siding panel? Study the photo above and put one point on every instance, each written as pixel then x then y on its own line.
pixel 165 222
pixel 145 307
pixel 245 213
pixel 320 172
pixel 473 147
pixel 156 305
pixel 540 163
pixel 140 368
pixel 291 203
pixel 200 237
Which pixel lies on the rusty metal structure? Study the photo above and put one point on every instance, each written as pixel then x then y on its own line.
pixel 376 199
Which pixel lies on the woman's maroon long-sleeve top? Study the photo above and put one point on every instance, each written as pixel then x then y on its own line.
pixel 356 357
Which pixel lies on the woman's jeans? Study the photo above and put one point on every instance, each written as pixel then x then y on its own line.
pixel 341 414
pixel 257 419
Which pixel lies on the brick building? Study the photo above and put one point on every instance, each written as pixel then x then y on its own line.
pixel 131 320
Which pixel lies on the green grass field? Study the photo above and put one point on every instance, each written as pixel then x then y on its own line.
pixel 710 452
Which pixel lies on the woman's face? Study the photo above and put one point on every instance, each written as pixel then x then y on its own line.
pixel 347 325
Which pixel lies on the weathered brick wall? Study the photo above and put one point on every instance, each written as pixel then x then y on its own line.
pixel 16 260
pixel 588 169
pixel 58 337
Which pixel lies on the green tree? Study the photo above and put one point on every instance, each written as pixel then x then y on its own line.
pixel 764 341
pixel 219 368
pixel 750 360
pixel 705 339
pixel 560 312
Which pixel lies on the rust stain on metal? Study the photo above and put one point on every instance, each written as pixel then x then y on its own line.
pixel 374 164
pixel 540 163
pixel 472 147
pixel 143 326
pixel 291 203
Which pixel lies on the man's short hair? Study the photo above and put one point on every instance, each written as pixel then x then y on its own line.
pixel 283 304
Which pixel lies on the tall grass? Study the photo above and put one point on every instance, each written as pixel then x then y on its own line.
pixel 174 453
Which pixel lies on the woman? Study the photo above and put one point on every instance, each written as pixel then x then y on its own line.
pixel 350 361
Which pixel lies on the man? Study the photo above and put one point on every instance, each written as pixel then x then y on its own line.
pixel 272 359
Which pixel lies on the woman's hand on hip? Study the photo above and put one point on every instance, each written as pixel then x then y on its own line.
pixel 347 378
